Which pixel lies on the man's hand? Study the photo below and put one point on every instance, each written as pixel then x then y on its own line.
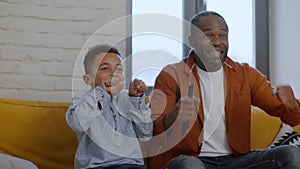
pixel 137 88
pixel 185 113
pixel 287 97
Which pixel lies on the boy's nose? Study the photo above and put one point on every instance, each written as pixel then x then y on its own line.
pixel 111 74
pixel 111 71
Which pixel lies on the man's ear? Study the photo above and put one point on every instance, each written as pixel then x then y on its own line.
pixel 191 41
pixel 87 79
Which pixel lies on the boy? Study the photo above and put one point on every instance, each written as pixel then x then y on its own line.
pixel 108 119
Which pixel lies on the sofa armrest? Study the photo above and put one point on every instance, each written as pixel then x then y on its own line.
pixel 37 131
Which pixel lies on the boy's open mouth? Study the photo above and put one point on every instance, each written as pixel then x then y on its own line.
pixel 108 84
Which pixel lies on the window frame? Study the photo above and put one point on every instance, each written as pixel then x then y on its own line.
pixel 261 37
pixel 262 43
pixel 128 50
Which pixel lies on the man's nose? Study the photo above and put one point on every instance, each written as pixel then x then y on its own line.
pixel 215 41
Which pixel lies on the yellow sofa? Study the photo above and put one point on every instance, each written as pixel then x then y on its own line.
pixel 37 132
pixel 264 129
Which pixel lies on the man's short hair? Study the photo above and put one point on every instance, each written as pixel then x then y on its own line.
pixel 195 19
pixel 96 50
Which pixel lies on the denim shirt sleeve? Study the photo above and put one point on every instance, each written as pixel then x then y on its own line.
pixel 135 109
pixel 84 106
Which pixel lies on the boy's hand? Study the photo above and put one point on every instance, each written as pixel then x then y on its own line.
pixel 137 88
pixel 113 86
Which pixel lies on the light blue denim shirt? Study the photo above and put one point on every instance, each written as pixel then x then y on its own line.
pixel 108 129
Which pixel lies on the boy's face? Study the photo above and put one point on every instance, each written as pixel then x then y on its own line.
pixel 106 72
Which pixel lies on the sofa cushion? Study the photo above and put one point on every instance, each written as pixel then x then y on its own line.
pixel 263 129
pixel 38 132
pixel 286 136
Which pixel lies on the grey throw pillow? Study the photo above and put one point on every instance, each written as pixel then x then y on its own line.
pixel 11 162
pixel 286 136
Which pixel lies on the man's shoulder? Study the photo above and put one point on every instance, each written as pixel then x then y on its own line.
pixel 241 70
pixel 175 66
pixel 237 65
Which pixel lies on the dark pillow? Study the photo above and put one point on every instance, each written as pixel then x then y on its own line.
pixel 286 136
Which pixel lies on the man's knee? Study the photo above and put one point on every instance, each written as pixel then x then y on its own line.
pixel 186 162
pixel 289 155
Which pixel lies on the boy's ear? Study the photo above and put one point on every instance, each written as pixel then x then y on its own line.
pixel 87 79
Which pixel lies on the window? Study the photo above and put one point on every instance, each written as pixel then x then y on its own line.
pixel 154 43
pixel 151 50
pixel 239 17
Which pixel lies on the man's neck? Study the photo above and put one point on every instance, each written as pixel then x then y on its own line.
pixel 207 68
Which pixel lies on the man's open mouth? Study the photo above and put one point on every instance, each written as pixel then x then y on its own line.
pixel 215 52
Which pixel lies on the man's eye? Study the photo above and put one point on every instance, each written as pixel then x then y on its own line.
pixel 208 36
pixel 223 36
pixel 120 69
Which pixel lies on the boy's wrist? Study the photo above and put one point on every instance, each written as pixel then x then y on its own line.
pixel 137 102
pixel 134 95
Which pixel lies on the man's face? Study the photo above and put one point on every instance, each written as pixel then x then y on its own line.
pixel 107 72
pixel 210 42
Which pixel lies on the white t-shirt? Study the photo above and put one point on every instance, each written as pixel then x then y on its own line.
pixel 215 142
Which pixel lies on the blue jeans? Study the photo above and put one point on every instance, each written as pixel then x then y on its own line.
pixel 281 157
pixel 123 166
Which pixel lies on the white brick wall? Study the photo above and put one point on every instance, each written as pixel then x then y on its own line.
pixel 41 40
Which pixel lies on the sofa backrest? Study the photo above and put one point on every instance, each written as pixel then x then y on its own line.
pixel 38 132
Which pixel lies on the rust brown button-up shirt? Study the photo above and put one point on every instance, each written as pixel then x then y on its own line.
pixel 244 86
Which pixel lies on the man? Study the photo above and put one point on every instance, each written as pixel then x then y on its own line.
pixel 201 107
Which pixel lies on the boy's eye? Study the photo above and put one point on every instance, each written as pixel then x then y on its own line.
pixel 103 68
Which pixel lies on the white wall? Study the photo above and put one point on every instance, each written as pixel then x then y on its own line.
pixel 41 40
pixel 285 43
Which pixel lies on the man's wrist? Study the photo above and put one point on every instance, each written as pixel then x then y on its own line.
pixel 298 101
pixel 170 118
pixel 295 107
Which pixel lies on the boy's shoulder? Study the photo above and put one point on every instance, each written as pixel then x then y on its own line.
pixel 84 94
pixel 123 94
pixel 81 94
